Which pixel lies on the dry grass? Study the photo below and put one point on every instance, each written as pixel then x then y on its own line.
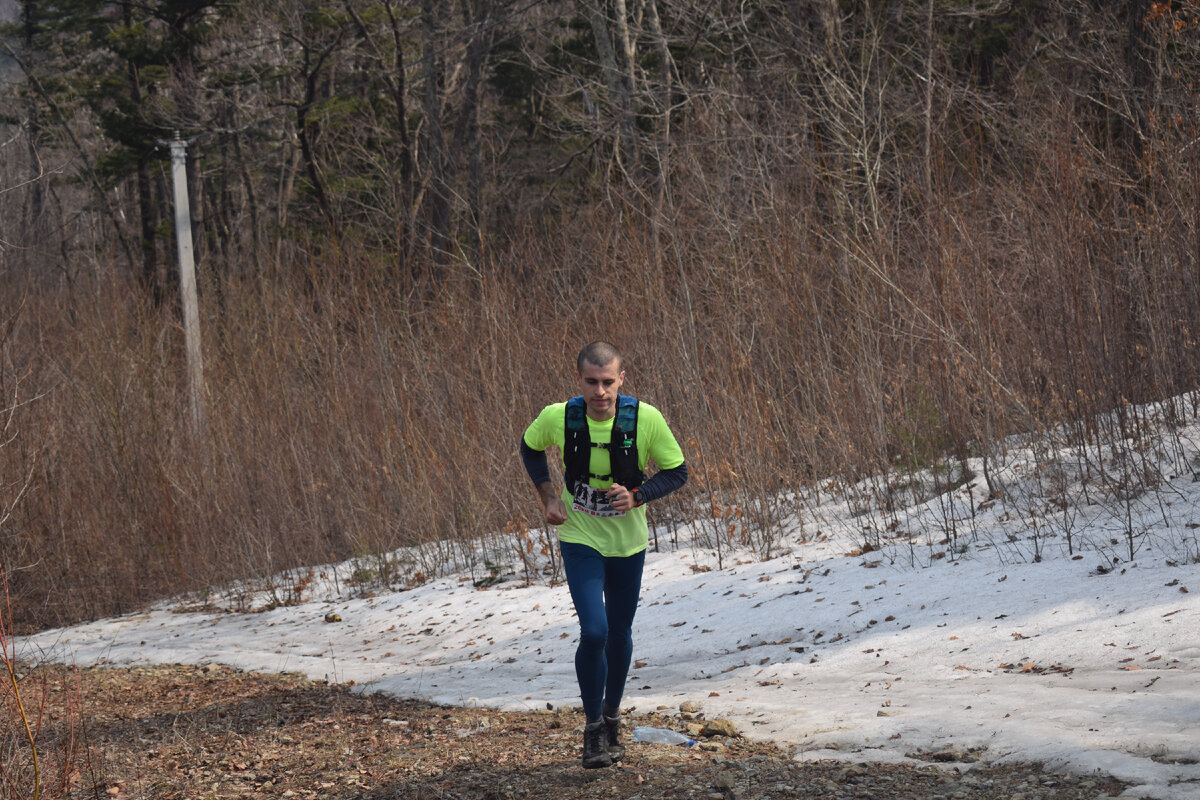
pixel 816 292
pixel 350 416
pixel 39 721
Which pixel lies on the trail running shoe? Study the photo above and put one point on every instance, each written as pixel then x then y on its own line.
pixel 612 737
pixel 595 755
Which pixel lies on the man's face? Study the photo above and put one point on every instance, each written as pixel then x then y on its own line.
pixel 599 387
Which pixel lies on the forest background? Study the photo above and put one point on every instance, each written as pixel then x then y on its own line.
pixel 835 240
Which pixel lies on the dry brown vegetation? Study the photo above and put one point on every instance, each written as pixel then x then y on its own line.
pixel 350 418
pixel 857 242
pixel 833 239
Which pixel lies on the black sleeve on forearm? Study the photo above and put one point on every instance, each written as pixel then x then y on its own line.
pixel 663 483
pixel 535 464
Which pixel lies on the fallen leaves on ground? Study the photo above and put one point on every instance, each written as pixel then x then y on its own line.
pixel 167 732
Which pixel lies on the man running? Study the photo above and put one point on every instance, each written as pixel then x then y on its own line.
pixel 606 439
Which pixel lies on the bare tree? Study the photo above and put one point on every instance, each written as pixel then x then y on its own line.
pixel 433 140
pixel 476 16
pixel 615 49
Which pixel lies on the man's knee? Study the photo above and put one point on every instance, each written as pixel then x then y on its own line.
pixel 593 636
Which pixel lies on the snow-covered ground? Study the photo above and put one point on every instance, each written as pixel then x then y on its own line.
pixel 1087 661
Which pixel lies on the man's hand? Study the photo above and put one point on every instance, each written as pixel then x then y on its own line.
pixel 556 511
pixel 553 508
pixel 622 499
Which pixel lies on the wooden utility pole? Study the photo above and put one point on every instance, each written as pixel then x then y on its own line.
pixel 187 283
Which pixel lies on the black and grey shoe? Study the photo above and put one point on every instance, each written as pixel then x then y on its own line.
pixel 595 755
pixel 612 737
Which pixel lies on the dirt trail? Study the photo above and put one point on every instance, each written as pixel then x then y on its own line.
pixel 209 732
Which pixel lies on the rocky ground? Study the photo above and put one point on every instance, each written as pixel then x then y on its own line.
pixel 210 732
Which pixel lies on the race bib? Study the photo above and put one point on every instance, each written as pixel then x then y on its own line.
pixel 594 502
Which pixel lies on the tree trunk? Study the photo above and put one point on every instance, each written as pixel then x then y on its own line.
pixel 305 133
pixel 618 84
pixel 407 191
pixel 153 283
pixel 927 133
pixel 467 139
pixel 434 149
pixel 665 70
pixel 1137 63
pixel 37 229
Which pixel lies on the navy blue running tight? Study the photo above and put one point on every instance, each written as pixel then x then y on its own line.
pixel 605 591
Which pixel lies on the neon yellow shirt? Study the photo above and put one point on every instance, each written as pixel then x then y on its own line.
pixel 626 534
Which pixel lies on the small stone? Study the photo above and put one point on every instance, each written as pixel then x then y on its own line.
pixel 688 707
pixel 724 780
pixel 719 727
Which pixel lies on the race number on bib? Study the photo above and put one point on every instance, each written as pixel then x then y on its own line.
pixel 594 502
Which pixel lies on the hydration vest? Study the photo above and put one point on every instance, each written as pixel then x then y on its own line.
pixel 622 448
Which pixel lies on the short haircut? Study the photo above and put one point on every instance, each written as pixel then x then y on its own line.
pixel 600 354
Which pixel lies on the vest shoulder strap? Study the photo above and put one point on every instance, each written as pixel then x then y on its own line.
pixel 626 418
pixel 577 414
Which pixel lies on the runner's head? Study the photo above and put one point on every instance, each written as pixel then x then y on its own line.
pixel 600 377
pixel 599 353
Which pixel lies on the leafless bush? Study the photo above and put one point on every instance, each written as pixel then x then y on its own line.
pixel 40 743
pixel 862 269
pixel 37 755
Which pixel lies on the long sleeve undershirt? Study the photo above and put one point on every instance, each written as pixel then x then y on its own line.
pixel 660 485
